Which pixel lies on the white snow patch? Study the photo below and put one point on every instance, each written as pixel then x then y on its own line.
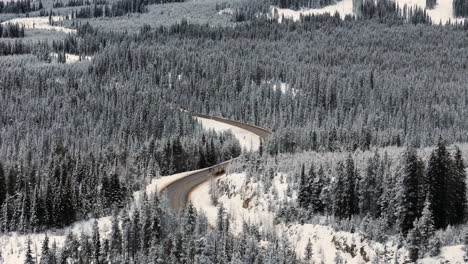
pixel 247 139
pixel 452 254
pixel 71 58
pixel 284 88
pixel 226 11
pixel 13 245
pixel 40 23
pixel 249 202
pixel 344 7
pixel 442 12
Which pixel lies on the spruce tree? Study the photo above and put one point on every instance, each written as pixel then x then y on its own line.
pixel 407 187
pixel 3 187
pixel 96 246
pixel 308 251
pixel 458 189
pixel 115 236
pixel 437 181
pixel 29 259
pixel 425 226
pixel 45 258
pixel 413 243
pixel 316 190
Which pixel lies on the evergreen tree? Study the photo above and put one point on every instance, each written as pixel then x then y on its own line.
pixel 425 226
pixel 96 244
pixel 437 181
pixel 413 241
pixel 29 259
pixel 458 189
pixel 407 197
pixel 45 256
pixel 308 251
pixel 115 236
pixel 3 186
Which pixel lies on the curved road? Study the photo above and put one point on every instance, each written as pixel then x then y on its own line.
pixel 179 191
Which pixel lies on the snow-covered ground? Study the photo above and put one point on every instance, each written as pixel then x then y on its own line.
pixel 284 88
pixel 442 12
pixel 13 245
pixel 344 7
pixel 249 202
pixel 71 58
pixel 40 23
pixel 248 140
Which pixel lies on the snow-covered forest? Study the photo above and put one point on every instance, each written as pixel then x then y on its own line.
pixel 350 131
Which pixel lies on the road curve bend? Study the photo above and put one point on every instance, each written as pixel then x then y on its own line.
pixel 178 191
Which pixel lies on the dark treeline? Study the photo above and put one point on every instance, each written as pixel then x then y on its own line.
pixel 20 6
pixel 72 3
pixel 298 4
pixel 460 8
pixel 119 8
pixel 388 11
pixel 415 200
pixel 11 31
pixel 430 4
pixel 16 47
pixel 151 234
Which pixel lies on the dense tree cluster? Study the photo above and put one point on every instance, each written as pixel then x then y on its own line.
pixel 15 48
pixel 430 4
pixel 118 8
pixel 440 184
pixel 298 4
pixel 367 105
pixel 11 31
pixel 413 197
pixel 460 8
pixel 72 3
pixel 388 11
pixel 151 234
pixel 20 6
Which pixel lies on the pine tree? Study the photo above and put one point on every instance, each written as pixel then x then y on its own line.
pixel 3 187
pixel 96 254
pixel 316 186
pixel 407 196
pixel 425 226
pixel 458 189
pixel 115 236
pixel 45 258
pixel 29 259
pixel 308 251
pixel 413 243
pixel 53 254
pixel 349 195
pixel 437 180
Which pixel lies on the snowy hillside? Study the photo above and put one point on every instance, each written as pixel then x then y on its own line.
pixel 442 12
pixel 249 198
pixel 41 23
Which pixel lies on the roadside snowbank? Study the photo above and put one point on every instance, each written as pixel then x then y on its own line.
pixel 248 140
pixel 40 23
